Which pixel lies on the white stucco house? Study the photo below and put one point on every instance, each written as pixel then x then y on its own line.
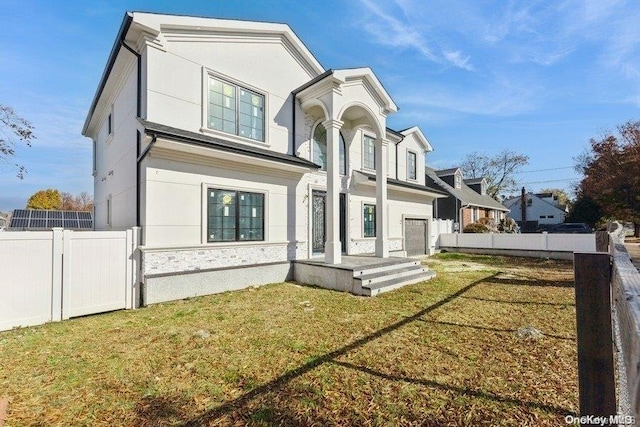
pixel 238 153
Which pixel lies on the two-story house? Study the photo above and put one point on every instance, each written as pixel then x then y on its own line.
pixel 237 152
pixel 536 211
pixel 467 200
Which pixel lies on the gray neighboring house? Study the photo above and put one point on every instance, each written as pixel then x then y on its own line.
pixel 468 201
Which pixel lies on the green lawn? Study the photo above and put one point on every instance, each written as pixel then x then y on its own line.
pixel 444 352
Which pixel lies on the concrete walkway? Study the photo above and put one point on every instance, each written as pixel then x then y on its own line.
pixel 633 247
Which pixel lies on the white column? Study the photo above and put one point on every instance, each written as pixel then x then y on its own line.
pixel 332 247
pixel 382 219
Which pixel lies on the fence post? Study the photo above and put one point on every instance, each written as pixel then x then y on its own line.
pixel 596 382
pixel 602 241
pixel 56 270
pixel 66 274
pixel 135 268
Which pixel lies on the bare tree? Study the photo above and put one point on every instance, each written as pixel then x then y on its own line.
pixel 498 170
pixel 13 129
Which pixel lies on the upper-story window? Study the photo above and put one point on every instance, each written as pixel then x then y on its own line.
pixel 320 150
pixel 235 110
pixel 368 153
pixel 458 180
pixel 411 165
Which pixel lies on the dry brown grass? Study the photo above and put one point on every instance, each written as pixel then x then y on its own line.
pixel 444 352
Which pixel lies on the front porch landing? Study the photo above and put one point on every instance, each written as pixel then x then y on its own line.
pixel 361 275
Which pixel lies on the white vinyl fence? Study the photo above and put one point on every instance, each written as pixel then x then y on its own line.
pixel 438 227
pixel 49 276
pixel 542 242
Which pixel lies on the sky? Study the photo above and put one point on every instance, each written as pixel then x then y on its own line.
pixel 539 78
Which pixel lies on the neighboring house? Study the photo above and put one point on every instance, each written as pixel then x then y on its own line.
pixel 232 147
pixel 37 219
pixel 468 201
pixel 534 211
pixel 4 220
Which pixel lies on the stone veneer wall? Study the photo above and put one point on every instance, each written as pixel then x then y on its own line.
pixel 177 260
pixel 368 246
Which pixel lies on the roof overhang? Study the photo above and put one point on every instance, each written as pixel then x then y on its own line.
pixel 422 140
pixel 365 179
pixel 207 147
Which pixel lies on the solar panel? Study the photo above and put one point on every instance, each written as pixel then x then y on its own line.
pixel 35 219
pixel 55 223
pixel 20 213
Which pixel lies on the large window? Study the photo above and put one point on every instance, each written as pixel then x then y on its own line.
pixel 320 150
pixel 234 216
pixel 411 165
pixel 369 221
pixel 235 110
pixel 368 153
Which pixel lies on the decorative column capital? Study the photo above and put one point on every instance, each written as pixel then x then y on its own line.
pixel 332 124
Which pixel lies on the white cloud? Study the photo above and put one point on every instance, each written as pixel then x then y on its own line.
pixel 398 32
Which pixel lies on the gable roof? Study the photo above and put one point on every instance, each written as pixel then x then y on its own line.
pixel 422 140
pixel 510 202
pixel 465 194
pixel 446 172
pixel 153 24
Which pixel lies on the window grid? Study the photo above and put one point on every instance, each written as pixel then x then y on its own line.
pixel 234 216
pixel 320 150
pixel 235 110
pixel 369 221
pixel 411 165
pixel 368 153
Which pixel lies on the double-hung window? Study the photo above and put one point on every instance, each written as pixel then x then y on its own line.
pixel 234 216
pixel 235 110
pixel 369 221
pixel 411 165
pixel 368 153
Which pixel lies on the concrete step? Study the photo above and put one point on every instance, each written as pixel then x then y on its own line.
pixel 389 285
pixel 379 268
pixel 382 276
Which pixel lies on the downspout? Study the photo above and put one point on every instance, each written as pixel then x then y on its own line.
pixel 139 160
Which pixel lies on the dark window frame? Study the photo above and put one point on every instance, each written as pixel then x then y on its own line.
pixel 366 164
pixel 342 151
pixel 414 175
pixel 237 112
pixel 369 230
pixel 237 214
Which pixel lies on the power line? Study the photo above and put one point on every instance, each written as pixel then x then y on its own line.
pixel 545 170
pixel 551 180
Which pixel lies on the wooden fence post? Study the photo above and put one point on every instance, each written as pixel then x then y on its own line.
pixel 596 382
pixel 602 241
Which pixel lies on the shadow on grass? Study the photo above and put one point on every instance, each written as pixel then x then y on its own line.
pixel 535 282
pixel 319 360
pixel 489 329
pixel 554 304
pixel 460 390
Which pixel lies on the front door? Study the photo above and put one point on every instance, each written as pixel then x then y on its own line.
pixel 319 227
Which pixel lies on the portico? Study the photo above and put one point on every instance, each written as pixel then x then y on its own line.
pixel 348 100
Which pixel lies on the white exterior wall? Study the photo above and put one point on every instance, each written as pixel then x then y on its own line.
pixel 266 68
pixel 115 167
pixel 537 209
pixel 409 143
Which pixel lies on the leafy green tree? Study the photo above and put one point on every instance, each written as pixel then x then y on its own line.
pixel 45 199
pixel 586 210
pixel 560 194
pixel 13 129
